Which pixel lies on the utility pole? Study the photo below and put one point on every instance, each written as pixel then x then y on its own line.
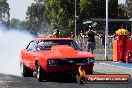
pixel 106 32
pixel 75 31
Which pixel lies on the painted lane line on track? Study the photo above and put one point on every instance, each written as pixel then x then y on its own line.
pixel 121 65
pixel 7 81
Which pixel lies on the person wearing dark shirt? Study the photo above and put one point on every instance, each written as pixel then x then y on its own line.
pixel 103 40
pixel 91 39
pixel 56 33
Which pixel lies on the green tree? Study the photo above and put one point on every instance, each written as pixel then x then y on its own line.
pixel 4 12
pixel 60 14
pixel 113 8
pixel 128 8
pixel 121 11
pixel 35 14
pixel 14 23
pixel 96 8
pixel 20 25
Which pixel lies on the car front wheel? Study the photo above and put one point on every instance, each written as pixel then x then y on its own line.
pixel 40 72
pixel 24 70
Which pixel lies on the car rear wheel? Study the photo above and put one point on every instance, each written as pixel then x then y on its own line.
pixel 25 71
pixel 40 72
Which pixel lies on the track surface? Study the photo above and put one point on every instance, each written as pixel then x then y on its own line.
pixel 9 81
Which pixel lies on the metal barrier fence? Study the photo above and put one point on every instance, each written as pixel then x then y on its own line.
pixel 98 41
pixel 99 50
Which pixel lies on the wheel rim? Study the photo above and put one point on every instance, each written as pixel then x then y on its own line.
pixel 38 72
pixel 21 67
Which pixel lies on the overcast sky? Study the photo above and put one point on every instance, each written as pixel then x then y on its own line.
pixel 122 1
pixel 18 8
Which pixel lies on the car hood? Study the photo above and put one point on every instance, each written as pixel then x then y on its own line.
pixel 65 51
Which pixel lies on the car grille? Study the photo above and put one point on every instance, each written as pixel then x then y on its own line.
pixel 71 61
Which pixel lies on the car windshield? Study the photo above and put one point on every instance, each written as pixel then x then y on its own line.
pixel 47 44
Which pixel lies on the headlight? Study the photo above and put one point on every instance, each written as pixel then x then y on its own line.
pixel 92 60
pixel 51 62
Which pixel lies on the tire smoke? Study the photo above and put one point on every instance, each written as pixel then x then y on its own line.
pixel 11 43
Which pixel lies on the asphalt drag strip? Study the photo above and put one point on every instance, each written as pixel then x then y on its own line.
pixel 117 64
pixel 109 67
pixel 10 81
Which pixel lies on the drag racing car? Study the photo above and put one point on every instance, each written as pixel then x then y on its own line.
pixel 50 55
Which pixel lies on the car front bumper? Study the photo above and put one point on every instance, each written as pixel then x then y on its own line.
pixel 69 68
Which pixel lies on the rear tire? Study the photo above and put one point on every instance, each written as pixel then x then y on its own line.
pixel 25 72
pixel 40 73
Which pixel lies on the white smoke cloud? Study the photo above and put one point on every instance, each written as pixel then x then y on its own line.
pixel 11 43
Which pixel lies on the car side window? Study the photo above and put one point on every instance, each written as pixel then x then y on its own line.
pixel 44 45
pixel 31 46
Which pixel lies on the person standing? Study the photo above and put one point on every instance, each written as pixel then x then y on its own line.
pixel 72 35
pixel 91 39
pixel 103 40
pixel 81 39
pixel 56 33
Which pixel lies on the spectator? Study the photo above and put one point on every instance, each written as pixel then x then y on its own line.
pixel 110 38
pixel 56 33
pixel 103 40
pixel 98 41
pixel 91 39
pixel 85 39
pixel 72 35
pixel 81 39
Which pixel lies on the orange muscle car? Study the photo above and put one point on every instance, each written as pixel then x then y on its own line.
pixel 49 55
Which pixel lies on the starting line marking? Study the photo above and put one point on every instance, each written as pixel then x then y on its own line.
pixel 7 81
pixel 122 65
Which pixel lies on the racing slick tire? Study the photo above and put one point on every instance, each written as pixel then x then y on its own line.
pixel 40 72
pixel 25 71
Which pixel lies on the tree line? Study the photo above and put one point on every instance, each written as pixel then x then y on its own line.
pixel 4 13
pixel 47 15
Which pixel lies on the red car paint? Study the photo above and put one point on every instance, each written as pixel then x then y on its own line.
pixel 65 57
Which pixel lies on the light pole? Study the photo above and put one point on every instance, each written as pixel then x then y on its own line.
pixel 106 32
pixel 75 31
pixel 131 23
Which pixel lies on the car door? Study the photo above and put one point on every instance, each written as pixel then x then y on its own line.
pixel 33 55
pixel 30 54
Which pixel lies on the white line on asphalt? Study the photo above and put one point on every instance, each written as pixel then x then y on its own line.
pixel 7 81
pixel 115 65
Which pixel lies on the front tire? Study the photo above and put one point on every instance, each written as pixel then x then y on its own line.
pixel 40 72
pixel 25 72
